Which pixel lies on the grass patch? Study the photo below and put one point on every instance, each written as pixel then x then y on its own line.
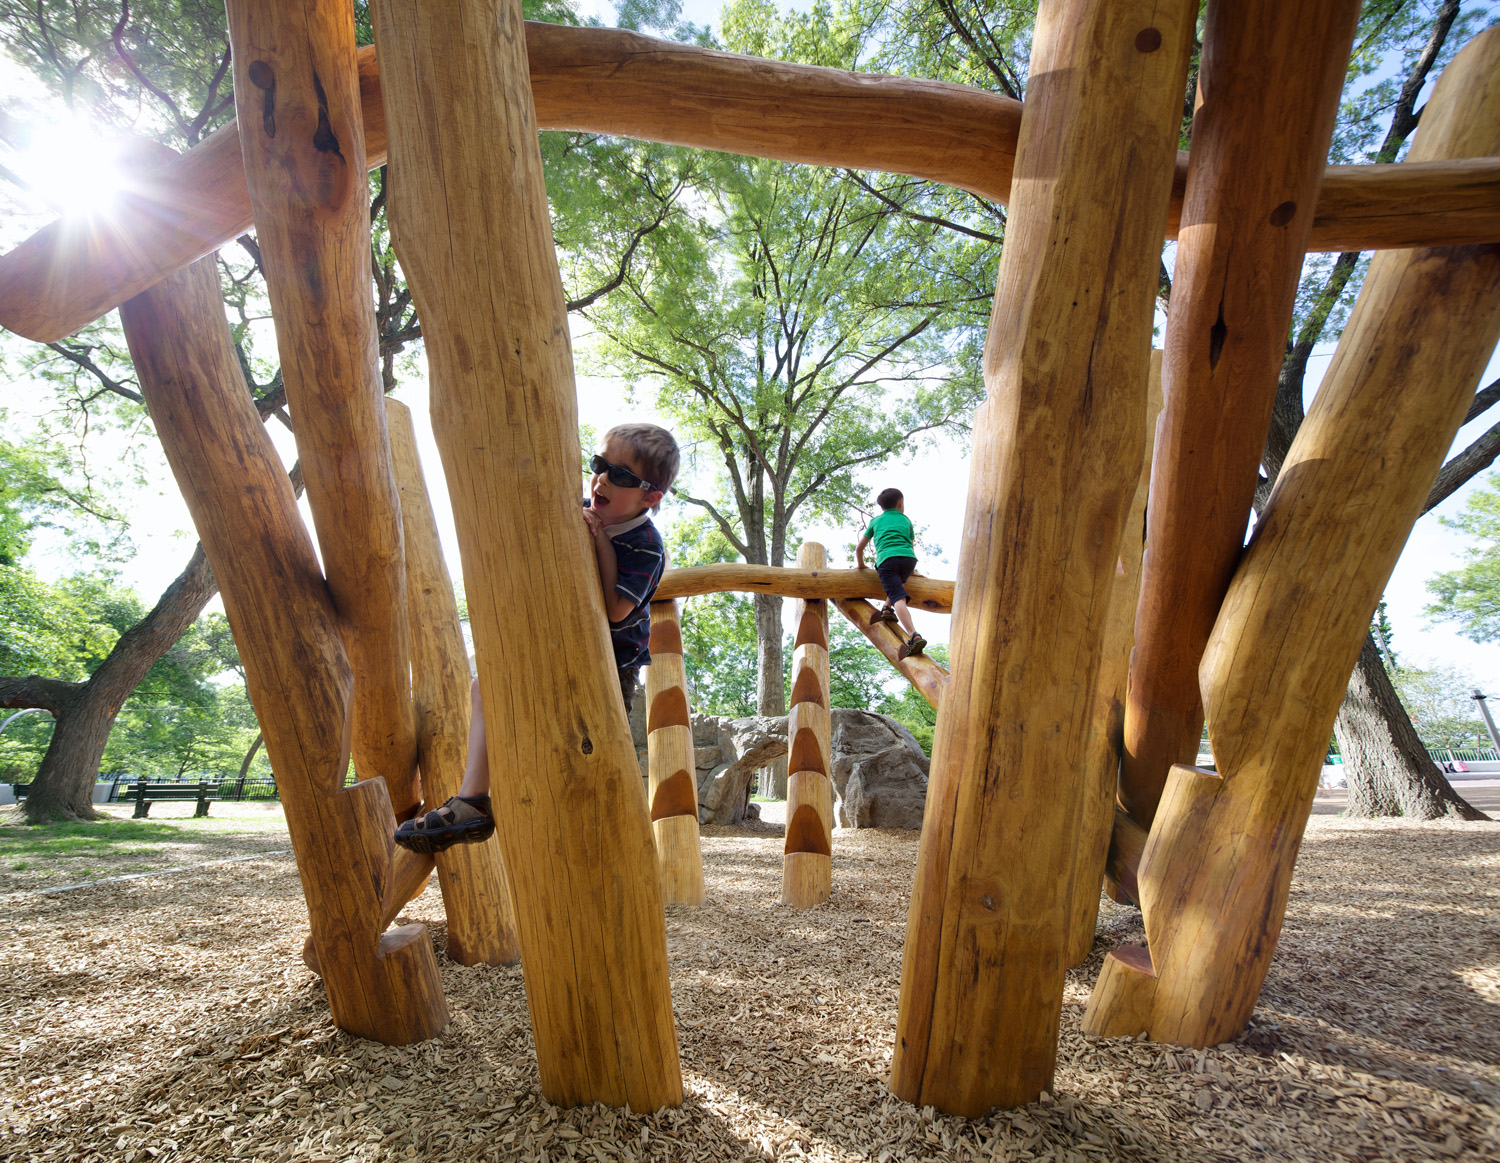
pixel 44 855
pixel 76 838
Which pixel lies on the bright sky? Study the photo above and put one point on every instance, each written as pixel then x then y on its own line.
pixel 935 480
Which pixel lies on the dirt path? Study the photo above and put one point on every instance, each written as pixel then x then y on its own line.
pixel 170 1018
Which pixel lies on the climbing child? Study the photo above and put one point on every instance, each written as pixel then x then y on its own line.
pixel 636 464
pixel 895 559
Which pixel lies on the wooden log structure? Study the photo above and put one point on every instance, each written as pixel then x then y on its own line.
pixel 671 763
pixel 381 986
pixel 1058 447
pixel 476 896
pixel 613 81
pixel 1259 141
pixel 1106 744
pixel 927 593
pixel 297 89
pixel 1216 870
pixel 469 220
pixel 928 677
pixel 807 862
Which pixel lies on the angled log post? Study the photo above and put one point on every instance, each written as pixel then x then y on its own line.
pixel 1057 452
pixel 927 676
pixel 297 100
pixel 1268 93
pixel 476 896
pixel 1101 754
pixel 384 987
pixel 807 864
pixel 1217 866
pixel 671 762
pixel 470 223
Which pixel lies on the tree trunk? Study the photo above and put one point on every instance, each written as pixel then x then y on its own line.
pixel 770 684
pixel 64 784
pixel 1388 768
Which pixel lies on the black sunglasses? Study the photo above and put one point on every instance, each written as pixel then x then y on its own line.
pixel 619 474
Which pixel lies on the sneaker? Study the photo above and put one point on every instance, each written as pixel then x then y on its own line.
pixel 462 820
pixel 914 645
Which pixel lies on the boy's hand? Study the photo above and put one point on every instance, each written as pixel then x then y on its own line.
pixel 594 522
pixel 859 563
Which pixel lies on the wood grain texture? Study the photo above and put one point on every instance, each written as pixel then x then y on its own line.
pixel 609 80
pixel 1057 452
pixel 1217 866
pixel 1105 746
pixel 297 90
pixel 469 221
pixel 1268 92
pixel 672 767
pixel 928 677
pixel 926 593
pixel 809 794
pixel 288 635
pixel 476 896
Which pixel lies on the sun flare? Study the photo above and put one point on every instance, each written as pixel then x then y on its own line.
pixel 71 169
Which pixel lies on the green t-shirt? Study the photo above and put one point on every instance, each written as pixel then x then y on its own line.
pixel 892 533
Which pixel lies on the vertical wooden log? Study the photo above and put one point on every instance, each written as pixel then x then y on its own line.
pixel 470 223
pixel 302 134
pixel 1268 92
pixel 384 987
pixel 1101 755
pixel 1217 866
pixel 1057 451
pixel 927 676
pixel 476 896
pixel 671 762
pixel 807 866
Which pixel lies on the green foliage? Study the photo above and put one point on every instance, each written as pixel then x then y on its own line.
pixel 1439 702
pixel 1470 595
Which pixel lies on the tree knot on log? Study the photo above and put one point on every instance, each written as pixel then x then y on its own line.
pixel 263 78
pixel 324 139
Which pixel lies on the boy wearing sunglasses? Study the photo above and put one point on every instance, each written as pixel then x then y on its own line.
pixel 634 468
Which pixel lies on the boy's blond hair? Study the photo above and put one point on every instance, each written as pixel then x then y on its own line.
pixel 655 448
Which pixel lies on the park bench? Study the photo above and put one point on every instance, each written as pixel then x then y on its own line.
pixel 20 790
pixel 147 793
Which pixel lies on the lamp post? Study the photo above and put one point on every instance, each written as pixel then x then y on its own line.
pixel 1489 723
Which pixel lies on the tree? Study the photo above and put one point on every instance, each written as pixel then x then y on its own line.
pixel 797 331
pixel 1441 706
pixel 1470 595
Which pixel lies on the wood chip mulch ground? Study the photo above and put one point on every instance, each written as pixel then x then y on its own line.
pixel 170 1018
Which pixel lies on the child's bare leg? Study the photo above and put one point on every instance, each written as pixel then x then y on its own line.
pixel 477 766
pixel 903 615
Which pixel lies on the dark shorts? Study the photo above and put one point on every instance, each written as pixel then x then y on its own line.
pixel 628 685
pixel 893 572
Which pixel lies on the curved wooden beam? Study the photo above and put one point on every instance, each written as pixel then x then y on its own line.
pixel 927 593
pixel 611 81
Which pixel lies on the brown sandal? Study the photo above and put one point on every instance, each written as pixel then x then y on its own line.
pixel 462 820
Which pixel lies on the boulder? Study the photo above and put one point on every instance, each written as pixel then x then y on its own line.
pixel 879 772
pixel 745 746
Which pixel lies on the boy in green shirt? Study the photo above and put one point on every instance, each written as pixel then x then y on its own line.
pixel 895 559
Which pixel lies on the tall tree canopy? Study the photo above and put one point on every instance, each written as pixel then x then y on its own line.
pixel 1470 595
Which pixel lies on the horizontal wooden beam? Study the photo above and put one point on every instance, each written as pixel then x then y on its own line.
pixel 611 81
pixel 927 593
pixel 928 677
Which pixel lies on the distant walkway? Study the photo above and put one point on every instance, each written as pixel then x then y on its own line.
pixel 1484 794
